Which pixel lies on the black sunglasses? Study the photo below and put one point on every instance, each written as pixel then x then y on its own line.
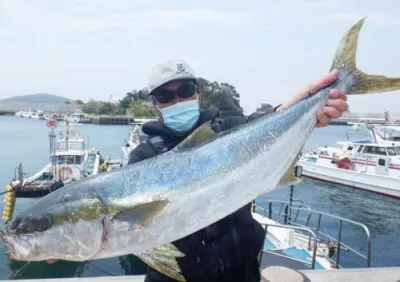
pixel 164 96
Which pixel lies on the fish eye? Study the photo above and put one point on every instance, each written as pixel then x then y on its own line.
pixel 31 224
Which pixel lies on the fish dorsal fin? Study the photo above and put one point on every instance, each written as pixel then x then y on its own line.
pixel 200 135
pixel 141 214
pixel 163 259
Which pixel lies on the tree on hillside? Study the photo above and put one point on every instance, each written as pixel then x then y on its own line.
pixel 132 96
pixel 221 95
pixel 142 94
pixel 141 108
pixel 264 108
pixel 137 101
pixel 100 108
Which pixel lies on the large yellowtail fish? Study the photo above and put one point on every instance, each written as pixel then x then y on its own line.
pixel 141 208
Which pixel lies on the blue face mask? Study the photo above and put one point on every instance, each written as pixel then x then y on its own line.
pixel 182 116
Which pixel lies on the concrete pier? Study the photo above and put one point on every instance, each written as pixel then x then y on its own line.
pixel 7 113
pixel 378 274
pixel 278 274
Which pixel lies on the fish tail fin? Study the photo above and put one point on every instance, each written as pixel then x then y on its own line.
pixel 163 259
pixel 345 57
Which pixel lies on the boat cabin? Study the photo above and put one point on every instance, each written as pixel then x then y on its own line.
pixel 68 159
pixel 379 150
pixel 389 133
pixel 69 150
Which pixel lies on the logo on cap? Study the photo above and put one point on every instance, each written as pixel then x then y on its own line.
pixel 180 68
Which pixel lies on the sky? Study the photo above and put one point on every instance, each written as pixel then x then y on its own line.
pixel 267 50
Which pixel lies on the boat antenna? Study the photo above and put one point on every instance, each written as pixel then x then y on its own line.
pixel 374 134
pixel 52 124
pixel 386 123
pixel 66 134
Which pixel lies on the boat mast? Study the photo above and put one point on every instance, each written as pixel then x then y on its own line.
pixel 66 135
pixel 52 137
pixel 52 123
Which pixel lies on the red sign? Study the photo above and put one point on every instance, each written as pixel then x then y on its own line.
pixel 52 123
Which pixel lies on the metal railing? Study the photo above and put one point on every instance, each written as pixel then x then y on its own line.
pixel 312 234
pixel 290 214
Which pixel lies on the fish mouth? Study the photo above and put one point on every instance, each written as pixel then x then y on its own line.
pixel 18 248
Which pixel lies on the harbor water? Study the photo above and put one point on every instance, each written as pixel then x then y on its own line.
pixel 27 140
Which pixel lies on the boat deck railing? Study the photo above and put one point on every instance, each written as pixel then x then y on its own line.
pixel 298 214
pixel 308 230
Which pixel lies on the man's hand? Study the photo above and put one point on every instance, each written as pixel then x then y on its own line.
pixel 336 105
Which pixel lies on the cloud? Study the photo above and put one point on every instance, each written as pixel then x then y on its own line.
pixel 90 48
pixel 373 18
pixel 171 19
pixel 92 16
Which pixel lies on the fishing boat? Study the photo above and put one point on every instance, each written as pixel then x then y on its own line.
pixel 136 136
pixel 296 236
pixel 70 160
pixel 56 116
pixel 77 117
pixel 386 134
pixel 371 163
pixel 39 114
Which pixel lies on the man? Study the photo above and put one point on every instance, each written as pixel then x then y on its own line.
pixel 226 250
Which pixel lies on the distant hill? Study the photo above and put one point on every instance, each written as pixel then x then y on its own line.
pixel 41 98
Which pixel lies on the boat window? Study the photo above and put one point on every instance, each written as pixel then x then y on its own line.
pixel 78 159
pixel 70 159
pixel 75 146
pixel 380 151
pixel 61 146
pixel 381 162
pixel 60 159
pixel 398 150
pixel 391 151
pixel 349 148
pixel 360 149
pixel 375 150
pixel 369 150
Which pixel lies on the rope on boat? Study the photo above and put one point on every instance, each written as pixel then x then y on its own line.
pixel 20 271
pixel 2 193
pixel 24 267
pixel 101 270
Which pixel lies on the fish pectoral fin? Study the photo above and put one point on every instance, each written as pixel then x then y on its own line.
pixel 141 214
pixel 200 135
pixel 284 183
pixel 289 178
pixel 163 259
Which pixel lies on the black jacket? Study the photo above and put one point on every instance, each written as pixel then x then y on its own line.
pixel 226 250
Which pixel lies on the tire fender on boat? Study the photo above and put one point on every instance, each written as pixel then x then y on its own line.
pixel 345 163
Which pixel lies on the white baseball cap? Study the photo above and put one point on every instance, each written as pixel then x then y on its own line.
pixel 169 71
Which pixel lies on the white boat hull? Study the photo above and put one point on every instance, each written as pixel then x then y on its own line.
pixel 380 184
